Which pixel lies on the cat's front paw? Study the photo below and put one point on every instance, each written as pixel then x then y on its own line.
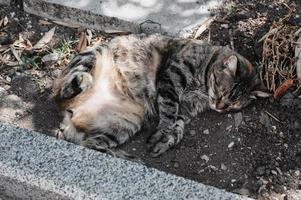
pixel 162 140
pixel 160 143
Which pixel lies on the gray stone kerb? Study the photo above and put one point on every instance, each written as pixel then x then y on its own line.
pixel 36 166
pixel 171 17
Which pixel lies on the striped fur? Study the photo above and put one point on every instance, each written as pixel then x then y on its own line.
pixel 112 91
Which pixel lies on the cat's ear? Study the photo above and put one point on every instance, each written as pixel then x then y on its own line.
pixel 231 64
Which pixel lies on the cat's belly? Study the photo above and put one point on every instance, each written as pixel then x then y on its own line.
pixel 106 113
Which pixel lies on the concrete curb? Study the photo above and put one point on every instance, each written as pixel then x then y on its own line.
pixel 177 18
pixel 79 17
pixel 35 166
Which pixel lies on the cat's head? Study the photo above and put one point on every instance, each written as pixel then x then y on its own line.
pixel 231 82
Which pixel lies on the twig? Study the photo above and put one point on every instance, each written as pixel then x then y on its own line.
pixel 231 39
pixel 204 26
pixel 275 118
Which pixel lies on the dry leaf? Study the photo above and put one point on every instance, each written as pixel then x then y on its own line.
pixel 82 44
pixel 282 89
pixel 3 22
pixel 298 59
pixel 89 36
pixel 44 22
pixel 204 27
pixel 22 44
pixel 16 53
pixel 44 40
pixel 4 47
pixel 97 41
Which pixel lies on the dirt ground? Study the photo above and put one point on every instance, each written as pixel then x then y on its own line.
pixel 255 152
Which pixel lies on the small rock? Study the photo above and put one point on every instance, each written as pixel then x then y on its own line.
pixel 260 170
pixel 273 172
pixel 134 149
pixel 285 145
pixel 238 119
pixel 176 165
pixel 231 145
pixel 281 134
pixel 233 180
pixel 213 168
pixel 229 116
pixel 223 166
pixel 265 120
pixel 51 58
pixel 8 78
pixel 205 157
pixel 242 191
pixel 192 132
pixel 297 173
pixel 225 25
pixel 44 29
pixel 274 128
pixel 297 16
pixel 206 131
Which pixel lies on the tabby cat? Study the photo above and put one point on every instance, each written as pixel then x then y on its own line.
pixel 112 91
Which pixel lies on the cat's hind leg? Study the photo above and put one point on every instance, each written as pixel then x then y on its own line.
pixel 75 83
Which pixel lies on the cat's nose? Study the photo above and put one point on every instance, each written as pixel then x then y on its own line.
pixel 221 106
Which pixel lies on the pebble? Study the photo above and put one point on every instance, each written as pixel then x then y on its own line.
pixel 206 131
pixel 242 191
pixel 8 78
pixel 176 165
pixel 192 132
pixel 281 134
pixel 225 25
pixel 231 145
pixel 134 149
pixel 223 166
pixel 233 180
pixel 44 29
pixel 274 172
pixel 51 58
pixel 265 120
pixel 213 167
pixel 238 119
pixel 297 173
pixel 205 157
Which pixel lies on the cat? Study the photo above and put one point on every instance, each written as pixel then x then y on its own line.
pixel 111 91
